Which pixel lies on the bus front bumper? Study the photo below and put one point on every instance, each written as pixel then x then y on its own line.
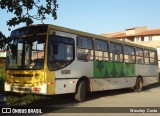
pixel 20 89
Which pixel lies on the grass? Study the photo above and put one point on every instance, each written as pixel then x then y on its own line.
pixel 24 100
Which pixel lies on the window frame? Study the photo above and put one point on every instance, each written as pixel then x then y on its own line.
pixel 103 51
pixel 129 54
pixel 150 38
pixel 138 39
pixel 67 62
pixel 115 52
pixel 83 48
pixel 144 50
pixel 139 55
pixel 85 38
pixel 155 58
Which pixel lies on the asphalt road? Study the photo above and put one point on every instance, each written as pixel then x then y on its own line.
pixel 150 97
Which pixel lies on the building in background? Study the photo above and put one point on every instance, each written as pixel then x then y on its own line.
pixel 139 35
pixel 3 54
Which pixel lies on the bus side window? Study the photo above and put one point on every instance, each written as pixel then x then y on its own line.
pixel 139 56
pixel 84 48
pixel 153 59
pixel 129 54
pixel 60 52
pixel 101 50
pixel 146 56
pixel 116 52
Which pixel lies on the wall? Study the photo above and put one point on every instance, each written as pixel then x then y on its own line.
pixel 154 37
pixel 2 54
pixel 140 29
pixel 136 30
pixel 130 32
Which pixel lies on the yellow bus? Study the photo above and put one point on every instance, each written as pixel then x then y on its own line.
pixel 49 60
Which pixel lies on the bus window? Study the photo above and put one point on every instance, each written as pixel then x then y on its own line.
pixel 116 53
pixel 146 56
pixel 27 53
pixel 84 48
pixel 60 52
pixel 129 54
pixel 139 56
pixel 152 58
pixel 101 50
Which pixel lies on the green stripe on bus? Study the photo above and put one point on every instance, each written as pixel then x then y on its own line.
pixel 113 69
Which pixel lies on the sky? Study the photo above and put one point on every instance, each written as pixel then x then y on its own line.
pixel 99 16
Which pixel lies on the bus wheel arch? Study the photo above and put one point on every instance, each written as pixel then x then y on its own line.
pixel 139 84
pixel 82 87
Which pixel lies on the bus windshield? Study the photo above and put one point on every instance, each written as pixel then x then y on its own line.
pixel 26 52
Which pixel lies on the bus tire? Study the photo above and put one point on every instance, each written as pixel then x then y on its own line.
pixel 81 91
pixel 139 85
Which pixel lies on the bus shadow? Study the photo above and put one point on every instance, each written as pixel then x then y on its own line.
pixel 64 103
pixel 99 94
pixel 151 86
pixel 67 104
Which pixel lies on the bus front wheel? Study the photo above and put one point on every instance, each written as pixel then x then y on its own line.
pixel 81 91
pixel 139 85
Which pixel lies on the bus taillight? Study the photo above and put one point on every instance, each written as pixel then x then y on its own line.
pixel 36 89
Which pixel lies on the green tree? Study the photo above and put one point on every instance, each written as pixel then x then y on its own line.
pixel 3 41
pixel 22 10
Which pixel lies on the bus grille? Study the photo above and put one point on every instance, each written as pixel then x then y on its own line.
pixel 22 75
pixel 22 84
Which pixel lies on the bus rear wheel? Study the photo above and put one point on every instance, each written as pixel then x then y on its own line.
pixel 81 91
pixel 139 85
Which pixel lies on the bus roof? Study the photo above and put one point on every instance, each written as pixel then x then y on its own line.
pixel 89 35
pixel 81 33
